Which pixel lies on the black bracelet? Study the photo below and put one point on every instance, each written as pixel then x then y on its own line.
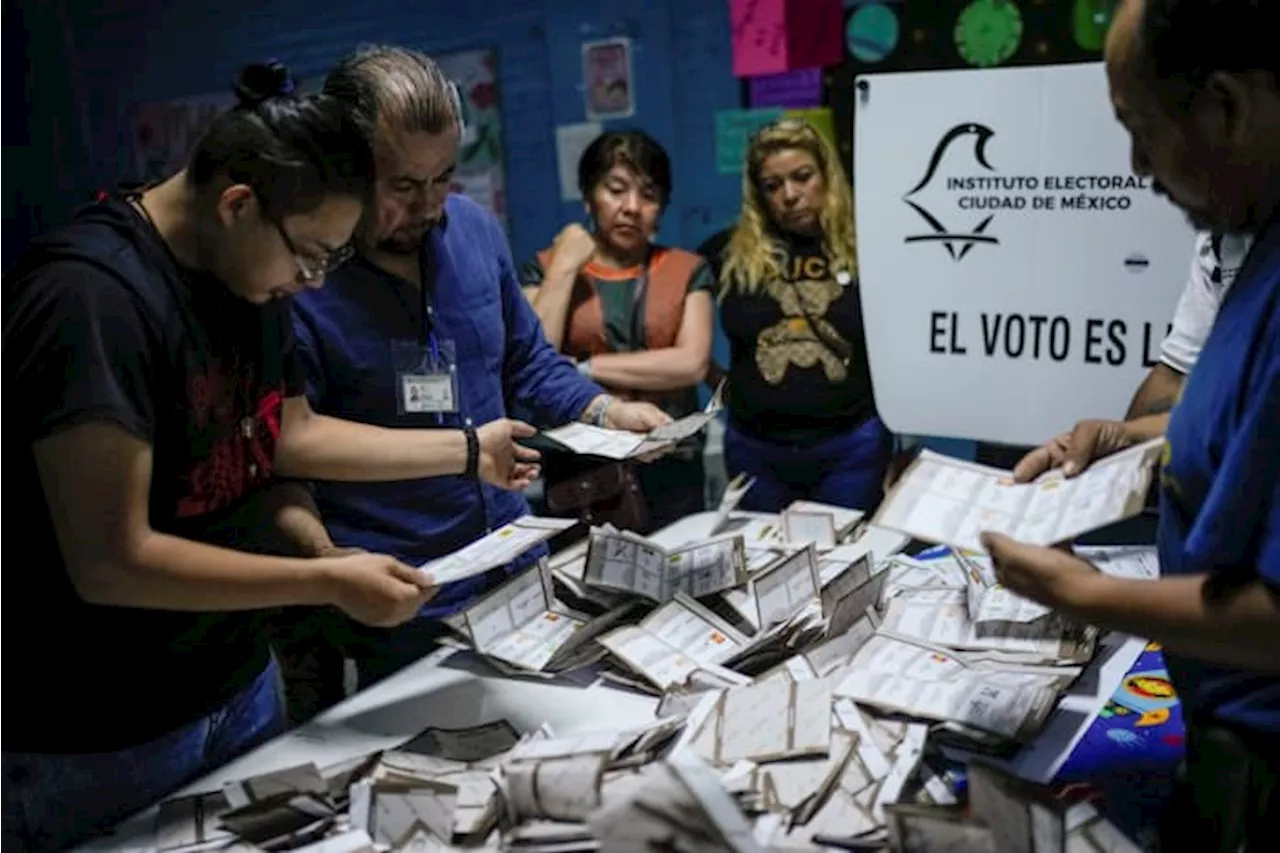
pixel 473 452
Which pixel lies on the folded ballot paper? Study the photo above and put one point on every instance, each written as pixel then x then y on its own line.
pixel 496 549
pixel 952 502
pixel 803 682
pixel 620 444
pixel 521 624
pixel 621 561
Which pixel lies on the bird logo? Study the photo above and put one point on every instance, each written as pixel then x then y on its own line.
pixel 957 243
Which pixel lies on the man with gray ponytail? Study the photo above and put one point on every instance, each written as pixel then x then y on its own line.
pixel 428 327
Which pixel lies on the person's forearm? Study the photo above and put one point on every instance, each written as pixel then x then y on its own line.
pixel 669 369
pixel 318 447
pixel 1146 428
pixel 1243 630
pixel 296 517
pixel 1157 393
pixel 168 573
pixel 550 301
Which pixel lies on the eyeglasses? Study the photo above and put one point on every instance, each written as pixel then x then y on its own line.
pixel 310 269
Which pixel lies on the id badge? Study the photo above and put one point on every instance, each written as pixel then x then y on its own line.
pixel 426 377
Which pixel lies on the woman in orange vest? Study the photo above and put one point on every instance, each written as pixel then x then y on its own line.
pixel 802 416
pixel 636 316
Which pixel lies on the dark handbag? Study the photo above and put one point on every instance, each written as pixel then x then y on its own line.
pixel 608 494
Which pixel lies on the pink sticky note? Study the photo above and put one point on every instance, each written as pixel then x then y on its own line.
pixel 773 36
pixel 759 36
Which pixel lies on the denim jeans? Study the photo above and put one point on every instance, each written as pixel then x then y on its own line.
pixel 846 469
pixel 52 802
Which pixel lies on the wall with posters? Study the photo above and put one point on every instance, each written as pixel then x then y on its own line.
pixel 164 132
pixel 157 51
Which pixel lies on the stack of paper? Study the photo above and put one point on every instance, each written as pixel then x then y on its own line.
pixel 802 663
pixel 797 758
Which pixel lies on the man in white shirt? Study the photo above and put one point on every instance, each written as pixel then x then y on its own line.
pixel 1215 264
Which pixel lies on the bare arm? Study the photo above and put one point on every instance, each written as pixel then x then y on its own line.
pixel 667 369
pixel 551 299
pixel 318 447
pixel 1146 428
pixel 296 518
pixel 97 480
pixel 1157 393
pixel 1243 630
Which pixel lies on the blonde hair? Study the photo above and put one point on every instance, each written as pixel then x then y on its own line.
pixel 753 254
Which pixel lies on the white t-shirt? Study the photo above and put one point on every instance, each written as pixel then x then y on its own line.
pixel 1213 267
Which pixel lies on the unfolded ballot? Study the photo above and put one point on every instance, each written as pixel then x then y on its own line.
pixel 952 502
pixel 901 677
pixel 496 549
pixel 627 562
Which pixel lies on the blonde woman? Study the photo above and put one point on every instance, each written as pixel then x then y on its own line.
pixel 802 417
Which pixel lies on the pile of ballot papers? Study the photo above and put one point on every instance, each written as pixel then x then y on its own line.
pixel 834 776
pixel 807 673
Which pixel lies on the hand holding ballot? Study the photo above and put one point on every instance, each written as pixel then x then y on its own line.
pixel 634 431
pixel 952 502
pixel 1085 443
pixel 1053 577
pixel 376 589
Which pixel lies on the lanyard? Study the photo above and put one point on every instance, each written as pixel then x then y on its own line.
pixel 426 329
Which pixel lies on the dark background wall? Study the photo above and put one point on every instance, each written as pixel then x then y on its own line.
pixel 74 68
pixel 82 80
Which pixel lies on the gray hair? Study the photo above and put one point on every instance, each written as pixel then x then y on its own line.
pixel 396 89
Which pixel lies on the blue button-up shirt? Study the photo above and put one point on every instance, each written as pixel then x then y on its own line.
pixel 347 341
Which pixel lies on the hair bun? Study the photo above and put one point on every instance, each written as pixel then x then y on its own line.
pixel 262 81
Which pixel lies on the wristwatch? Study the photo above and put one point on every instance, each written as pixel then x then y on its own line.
pixel 600 416
pixel 584 367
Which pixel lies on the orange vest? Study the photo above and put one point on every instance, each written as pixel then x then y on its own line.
pixel 670 271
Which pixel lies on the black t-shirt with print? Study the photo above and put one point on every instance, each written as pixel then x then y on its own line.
pixel 100 325
pixel 797 352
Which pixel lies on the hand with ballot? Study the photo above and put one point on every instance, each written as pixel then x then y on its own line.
pixel 1054 577
pixel 635 416
pixel 1088 441
pixel 502 461
pixel 376 589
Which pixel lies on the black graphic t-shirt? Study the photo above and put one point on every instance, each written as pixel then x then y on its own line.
pixel 100 325
pixel 797 352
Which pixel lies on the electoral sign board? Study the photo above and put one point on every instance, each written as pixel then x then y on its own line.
pixel 1016 276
